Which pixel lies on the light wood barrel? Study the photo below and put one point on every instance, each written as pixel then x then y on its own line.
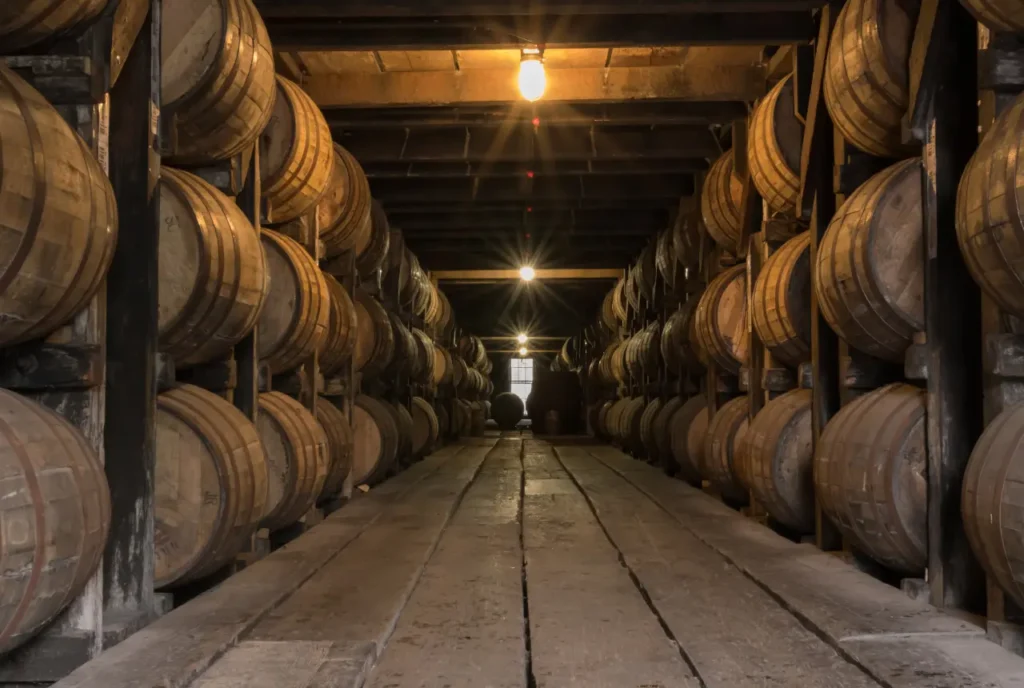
pixel 990 504
pixel 344 211
pixel 687 235
pixel 776 137
pixel 375 341
pixel 689 428
pixel 720 322
pixel 727 431
pixel 647 439
pixel 462 418
pixel 867 85
pixel 999 15
pixel 777 463
pixel 869 476
pixel 473 350
pixel 677 339
pixel 989 220
pixel 374 257
pixel 403 360
pixel 297 156
pixel 661 431
pixel 297 313
pixel 780 302
pixel 443 366
pixel 217 77
pixel 396 273
pixel 56 516
pixel 720 202
pixel 629 424
pixel 297 458
pixel 58 218
pixel 211 484
pixel 339 445
pixel 424 368
pixel 870 264
pixel 647 270
pixel 613 420
pixel 425 427
pixel 403 423
pixel 213 278
pixel 375 438
pixel 27 22
pixel 643 352
pixel 619 300
pixel 340 340
pixel 608 318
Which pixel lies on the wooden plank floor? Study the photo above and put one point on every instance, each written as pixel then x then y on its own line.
pixel 511 563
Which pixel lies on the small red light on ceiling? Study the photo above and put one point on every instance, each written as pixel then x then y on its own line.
pixel 527 235
pixel 536 121
pixel 529 209
pixel 529 173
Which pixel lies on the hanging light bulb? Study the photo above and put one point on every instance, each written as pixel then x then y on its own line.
pixel 532 79
pixel 522 351
pixel 522 338
pixel 526 273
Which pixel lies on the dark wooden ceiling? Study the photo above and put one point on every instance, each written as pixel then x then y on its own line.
pixel 477 178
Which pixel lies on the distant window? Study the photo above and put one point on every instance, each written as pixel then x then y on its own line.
pixel 522 377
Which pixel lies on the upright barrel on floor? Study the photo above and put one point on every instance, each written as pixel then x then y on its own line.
pixel 212 275
pixel 780 302
pixel 720 323
pixel 211 484
pixel 727 431
pixel 297 156
pixel 870 264
pixel 297 313
pixel 217 76
pixel 59 217
pixel 777 460
pixel 297 458
pixel 776 138
pixel 55 509
pixel 869 476
pixel 339 444
pixel 720 202
pixel 867 82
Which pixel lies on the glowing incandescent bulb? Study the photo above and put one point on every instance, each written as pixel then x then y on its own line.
pixel 532 79
pixel 526 273
pixel 522 351
pixel 522 339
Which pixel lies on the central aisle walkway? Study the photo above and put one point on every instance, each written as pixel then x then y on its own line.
pixel 509 563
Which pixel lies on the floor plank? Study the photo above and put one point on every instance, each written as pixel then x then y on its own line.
pixel 589 625
pixel 463 627
pixel 734 634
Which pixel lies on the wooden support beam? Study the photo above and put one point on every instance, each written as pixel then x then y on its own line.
pixel 541 274
pixel 703 81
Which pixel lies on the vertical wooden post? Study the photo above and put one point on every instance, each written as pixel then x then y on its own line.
pixel 246 352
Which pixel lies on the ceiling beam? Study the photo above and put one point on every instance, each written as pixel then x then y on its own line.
pixel 644 220
pixel 691 82
pixel 529 144
pixel 643 112
pixel 343 9
pixel 542 274
pixel 558 208
pixel 773 27
pixel 529 170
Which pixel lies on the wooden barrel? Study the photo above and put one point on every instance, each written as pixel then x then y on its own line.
pixel 423 370
pixel 403 357
pixel 297 457
pixel 780 302
pixel 720 323
pixel 462 418
pixel 776 138
pixel 991 512
pixel 647 439
pixel 340 340
pixel 867 85
pixel 444 423
pixel 473 350
pixel 619 300
pixel 59 217
pixel 344 211
pixel 688 240
pixel 443 366
pixel 689 430
pixel 599 424
pixel 629 425
pixel 661 431
pixel 870 264
pixel 56 515
pixel 777 463
pixel 999 15
pixel 213 278
pixel 403 423
pixel 727 431
pixel 374 257
pixel 425 427
pixel 375 439
pixel 673 272
pixel 297 312
pixel 647 270
pixel 297 157
pixel 608 318
pixel 613 418
pixel 643 354
pixel 375 341
pixel 677 339
pixel 27 22
pixel 217 78
pixel 211 484
pixel 720 202
pixel 869 476
pixel 339 445
pixel 989 221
